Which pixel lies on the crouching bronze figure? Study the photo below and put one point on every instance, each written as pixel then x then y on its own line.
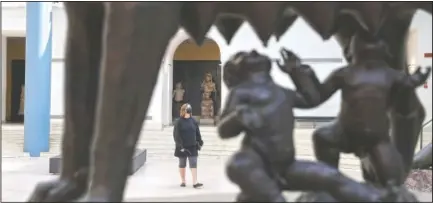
pixel 369 90
pixel 265 165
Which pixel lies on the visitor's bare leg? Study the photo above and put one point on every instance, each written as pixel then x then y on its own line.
pixel 247 170
pixel 135 39
pixel 318 176
pixel 83 52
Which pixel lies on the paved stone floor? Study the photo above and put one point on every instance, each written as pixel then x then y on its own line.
pixel 157 181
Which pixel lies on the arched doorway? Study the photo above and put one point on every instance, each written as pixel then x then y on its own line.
pixel 192 64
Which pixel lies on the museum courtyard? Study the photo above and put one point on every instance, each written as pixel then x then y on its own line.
pixel 158 179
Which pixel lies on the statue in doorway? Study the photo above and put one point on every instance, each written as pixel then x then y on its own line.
pixel 178 98
pixel 208 89
pixel 22 99
pixel 207 106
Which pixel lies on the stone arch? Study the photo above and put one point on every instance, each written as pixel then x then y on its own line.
pixel 167 68
pixel 189 50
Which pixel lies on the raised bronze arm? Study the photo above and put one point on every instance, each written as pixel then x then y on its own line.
pixel 332 83
pixel 414 80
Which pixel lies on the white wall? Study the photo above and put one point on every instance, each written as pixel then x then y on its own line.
pixel 300 38
pixel 57 80
pixel 57 65
pixel 14 24
pixel 307 44
pixel 422 22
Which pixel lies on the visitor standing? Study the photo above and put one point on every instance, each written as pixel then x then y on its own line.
pixel 188 142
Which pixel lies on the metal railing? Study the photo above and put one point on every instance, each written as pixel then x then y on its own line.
pixel 421 137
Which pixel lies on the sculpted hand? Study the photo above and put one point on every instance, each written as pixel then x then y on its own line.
pixel 420 77
pixel 290 61
pixel 292 64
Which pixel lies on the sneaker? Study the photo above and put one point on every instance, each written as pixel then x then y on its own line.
pixel 197 185
pixel 182 185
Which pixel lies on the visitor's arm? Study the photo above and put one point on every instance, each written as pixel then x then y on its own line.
pixel 325 90
pixel 176 135
pixel 198 137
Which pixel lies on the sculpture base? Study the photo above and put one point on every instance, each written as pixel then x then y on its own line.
pixel 207 121
pixel 138 161
pixel 419 180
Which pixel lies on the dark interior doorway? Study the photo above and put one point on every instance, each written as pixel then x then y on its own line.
pixel 191 74
pixel 18 68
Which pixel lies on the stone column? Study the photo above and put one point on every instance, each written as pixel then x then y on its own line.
pixel 37 77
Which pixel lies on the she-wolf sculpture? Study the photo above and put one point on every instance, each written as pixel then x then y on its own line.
pixel 114 51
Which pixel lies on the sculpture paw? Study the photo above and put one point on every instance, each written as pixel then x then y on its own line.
pixel 57 191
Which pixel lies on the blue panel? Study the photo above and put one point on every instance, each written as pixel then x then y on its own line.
pixel 38 78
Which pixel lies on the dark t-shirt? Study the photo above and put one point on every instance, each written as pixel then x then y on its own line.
pixel 187 135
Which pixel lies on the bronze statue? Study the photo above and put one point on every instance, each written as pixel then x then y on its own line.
pixel 178 93
pixel 111 72
pixel 369 88
pixel 178 98
pixel 374 97
pixel 263 110
pixel 208 89
pixel 407 113
pixel 207 106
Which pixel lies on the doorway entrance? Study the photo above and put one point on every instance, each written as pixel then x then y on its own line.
pixel 15 79
pixel 197 80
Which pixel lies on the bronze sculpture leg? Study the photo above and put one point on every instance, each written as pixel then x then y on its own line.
pixel 247 170
pixel 83 52
pixel 325 140
pixel 406 127
pixel 135 39
pixel 387 164
pixel 329 141
pixel 316 176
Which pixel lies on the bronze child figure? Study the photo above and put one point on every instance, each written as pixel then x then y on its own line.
pixel 369 88
pixel 265 164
